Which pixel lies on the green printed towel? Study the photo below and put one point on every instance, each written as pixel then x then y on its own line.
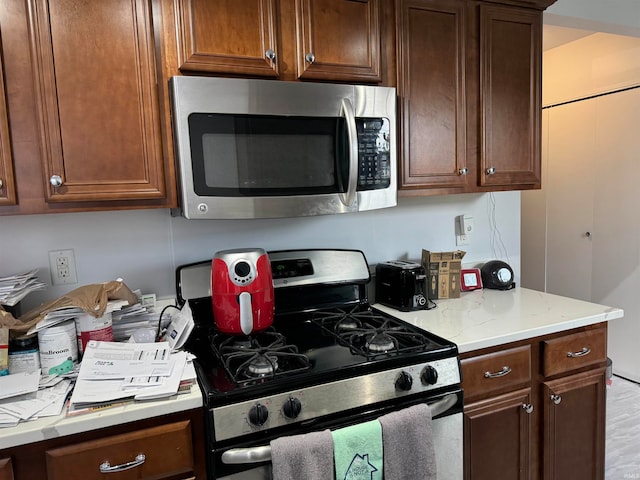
pixel 357 451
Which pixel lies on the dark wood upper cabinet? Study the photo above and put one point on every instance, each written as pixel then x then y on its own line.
pixel 7 184
pixel 286 39
pixel 510 86
pixel 431 85
pixel 338 40
pixel 228 36
pixel 96 100
pixel 469 83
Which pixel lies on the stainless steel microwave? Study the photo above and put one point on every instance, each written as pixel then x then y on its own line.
pixel 267 148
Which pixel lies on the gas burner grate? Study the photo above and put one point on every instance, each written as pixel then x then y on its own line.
pixel 259 357
pixel 370 334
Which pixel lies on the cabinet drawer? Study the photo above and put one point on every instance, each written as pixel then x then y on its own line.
pixel 495 371
pixel 574 351
pixel 167 450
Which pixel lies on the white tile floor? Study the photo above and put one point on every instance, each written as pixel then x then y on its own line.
pixel 623 430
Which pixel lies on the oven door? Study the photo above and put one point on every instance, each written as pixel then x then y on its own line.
pixel 251 462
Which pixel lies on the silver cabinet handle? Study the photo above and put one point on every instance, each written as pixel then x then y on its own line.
pixel 310 57
pixel 237 456
pixel 463 171
pixel 270 54
pixel 55 181
pixel 556 399
pixel 581 353
pixel 527 407
pixel 505 370
pixel 491 170
pixel 106 467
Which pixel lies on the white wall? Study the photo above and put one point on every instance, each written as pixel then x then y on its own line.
pixel 596 64
pixel 144 247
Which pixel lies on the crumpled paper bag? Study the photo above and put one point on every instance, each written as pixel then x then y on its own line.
pixel 92 299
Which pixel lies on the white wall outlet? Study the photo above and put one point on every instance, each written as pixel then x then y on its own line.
pixel 462 240
pixel 62 264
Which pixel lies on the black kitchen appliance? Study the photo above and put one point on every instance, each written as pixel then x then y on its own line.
pixel 497 275
pixel 329 360
pixel 401 284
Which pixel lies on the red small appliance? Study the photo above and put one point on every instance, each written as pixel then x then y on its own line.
pixel 242 291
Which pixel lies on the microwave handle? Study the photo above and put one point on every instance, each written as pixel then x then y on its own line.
pixel 352 136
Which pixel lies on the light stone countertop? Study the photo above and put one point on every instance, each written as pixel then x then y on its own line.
pixel 476 320
pixel 52 427
pixel 487 318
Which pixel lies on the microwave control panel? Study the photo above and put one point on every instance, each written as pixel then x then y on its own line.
pixel 374 169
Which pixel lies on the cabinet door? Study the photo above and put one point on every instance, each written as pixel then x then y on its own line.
pixel 6 470
pixel 574 426
pixel 510 122
pixel 7 185
pixel 97 100
pixel 431 85
pixel 338 40
pixel 228 36
pixel 497 437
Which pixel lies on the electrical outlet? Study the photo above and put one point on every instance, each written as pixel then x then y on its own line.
pixel 462 240
pixel 62 264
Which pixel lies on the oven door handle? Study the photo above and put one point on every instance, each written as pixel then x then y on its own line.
pixel 237 456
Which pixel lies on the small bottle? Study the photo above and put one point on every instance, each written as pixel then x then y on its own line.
pixel 23 354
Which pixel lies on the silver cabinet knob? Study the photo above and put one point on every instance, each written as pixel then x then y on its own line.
pixel 587 234
pixel 491 170
pixel 556 399
pixel 1 184
pixel 55 181
pixel 310 57
pixel 463 171
pixel 270 54
pixel 527 407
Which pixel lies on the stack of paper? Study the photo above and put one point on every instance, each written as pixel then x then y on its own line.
pixel 15 287
pixel 112 371
pixel 62 314
pixel 136 317
pixel 28 396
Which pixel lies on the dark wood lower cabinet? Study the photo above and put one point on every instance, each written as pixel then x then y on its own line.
pixel 172 445
pixel 539 420
pixel 6 469
pixel 574 426
pixel 497 440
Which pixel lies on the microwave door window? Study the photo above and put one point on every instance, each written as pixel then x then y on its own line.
pixel 248 155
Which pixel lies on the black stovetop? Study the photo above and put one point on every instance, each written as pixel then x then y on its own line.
pixel 330 358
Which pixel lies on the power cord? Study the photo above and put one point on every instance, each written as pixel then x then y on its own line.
pixel 159 331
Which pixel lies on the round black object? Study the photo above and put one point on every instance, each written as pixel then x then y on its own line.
pixel 497 275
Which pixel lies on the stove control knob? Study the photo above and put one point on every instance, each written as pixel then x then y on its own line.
pixel 292 407
pixel 429 375
pixel 404 381
pixel 258 415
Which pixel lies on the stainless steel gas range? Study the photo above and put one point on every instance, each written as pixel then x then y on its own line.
pixel 329 360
